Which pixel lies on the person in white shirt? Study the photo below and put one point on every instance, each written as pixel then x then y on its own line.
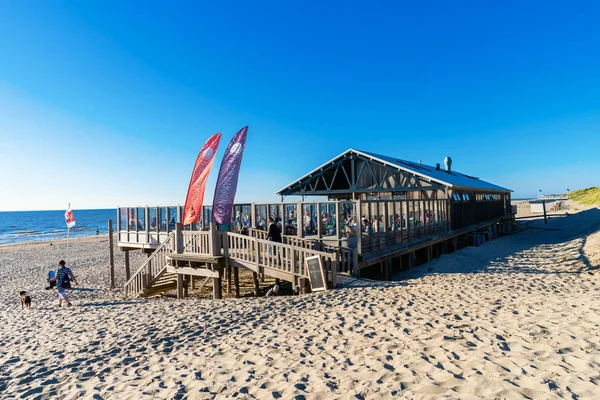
pixel 274 291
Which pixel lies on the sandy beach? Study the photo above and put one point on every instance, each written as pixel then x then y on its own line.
pixel 515 318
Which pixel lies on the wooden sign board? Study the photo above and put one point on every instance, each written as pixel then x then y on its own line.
pixel 316 275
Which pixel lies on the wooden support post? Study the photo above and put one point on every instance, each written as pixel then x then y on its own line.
pixel 256 285
pixel 411 259
pixel 303 285
pixel 186 287
pixel 193 282
pixel 149 272
pixel 445 247
pixel 337 222
pixel 227 266
pixel 455 244
pixel 389 272
pixel 358 220
pixel 335 266
pixel 178 239
pixel 544 206
pixel 127 275
pixel 111 254
pixel 215 249
pixel 299 220
pixel 236 281
pixel 217 288
pixel 179 286
pixel 355 267
pixel 429 253
pixel 228 274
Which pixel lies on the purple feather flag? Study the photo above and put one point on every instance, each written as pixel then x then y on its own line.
pixel 228 178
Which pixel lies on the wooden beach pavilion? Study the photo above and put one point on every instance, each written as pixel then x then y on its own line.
pixel 374 215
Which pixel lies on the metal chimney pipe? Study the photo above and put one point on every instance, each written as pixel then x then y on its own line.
pixel 448 163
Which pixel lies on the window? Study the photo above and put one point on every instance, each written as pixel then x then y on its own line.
pixel 466 197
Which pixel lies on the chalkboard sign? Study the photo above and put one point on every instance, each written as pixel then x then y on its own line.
pixel 316 275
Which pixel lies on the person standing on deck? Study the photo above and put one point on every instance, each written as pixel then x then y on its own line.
pixel 274 231
pixel 368 228
pixel 308 225
pixel 274 235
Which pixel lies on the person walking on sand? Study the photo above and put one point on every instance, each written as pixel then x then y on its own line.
pixel 63 279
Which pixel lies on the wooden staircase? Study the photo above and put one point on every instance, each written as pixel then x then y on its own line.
pixel 152 276
pixel 207 253
pixel 164 282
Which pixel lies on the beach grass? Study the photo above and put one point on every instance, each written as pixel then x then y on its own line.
pixel 589 196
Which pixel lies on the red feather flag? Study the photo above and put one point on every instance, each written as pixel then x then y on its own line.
pixel 195 195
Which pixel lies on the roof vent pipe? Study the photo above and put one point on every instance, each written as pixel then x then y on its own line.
pixel 437 166
pixel 448 163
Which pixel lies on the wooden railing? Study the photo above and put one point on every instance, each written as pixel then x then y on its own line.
pixel 198 242
pixel 287 257
pixel 258 233
pixel 378 240
pixel 346 257
pixel 153 266
pixel 276 256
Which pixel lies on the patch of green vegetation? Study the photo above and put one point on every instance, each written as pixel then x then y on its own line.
pixel 589 196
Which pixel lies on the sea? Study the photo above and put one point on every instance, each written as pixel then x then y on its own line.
pixel 32 226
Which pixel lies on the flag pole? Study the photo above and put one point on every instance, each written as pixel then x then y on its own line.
pixel 68 234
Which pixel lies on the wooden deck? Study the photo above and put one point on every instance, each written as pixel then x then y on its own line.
pixel 209 254
pixel 213 254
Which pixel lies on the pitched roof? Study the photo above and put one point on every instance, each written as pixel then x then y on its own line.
pixel 452 179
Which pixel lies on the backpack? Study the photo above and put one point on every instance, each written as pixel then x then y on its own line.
pixel 66 281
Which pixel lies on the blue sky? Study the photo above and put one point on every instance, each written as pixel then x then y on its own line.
pixel 106 103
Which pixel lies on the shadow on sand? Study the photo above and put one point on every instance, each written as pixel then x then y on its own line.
pixel 107 303
pixel 349 281
pixel 538 249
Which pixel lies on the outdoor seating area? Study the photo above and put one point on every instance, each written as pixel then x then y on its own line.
pixel 378 210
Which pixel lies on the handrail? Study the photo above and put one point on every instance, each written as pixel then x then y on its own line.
pixel 274 255
pixel 197 242
pixel 345 255
pixel 254 252
pixel 151 268
pixel 258 233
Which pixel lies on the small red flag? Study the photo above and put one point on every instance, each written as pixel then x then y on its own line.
pixel 69 218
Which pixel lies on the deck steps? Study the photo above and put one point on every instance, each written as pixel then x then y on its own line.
pixel 207 254
pixel 165 282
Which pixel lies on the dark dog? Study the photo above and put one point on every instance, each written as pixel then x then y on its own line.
pixel 25 300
